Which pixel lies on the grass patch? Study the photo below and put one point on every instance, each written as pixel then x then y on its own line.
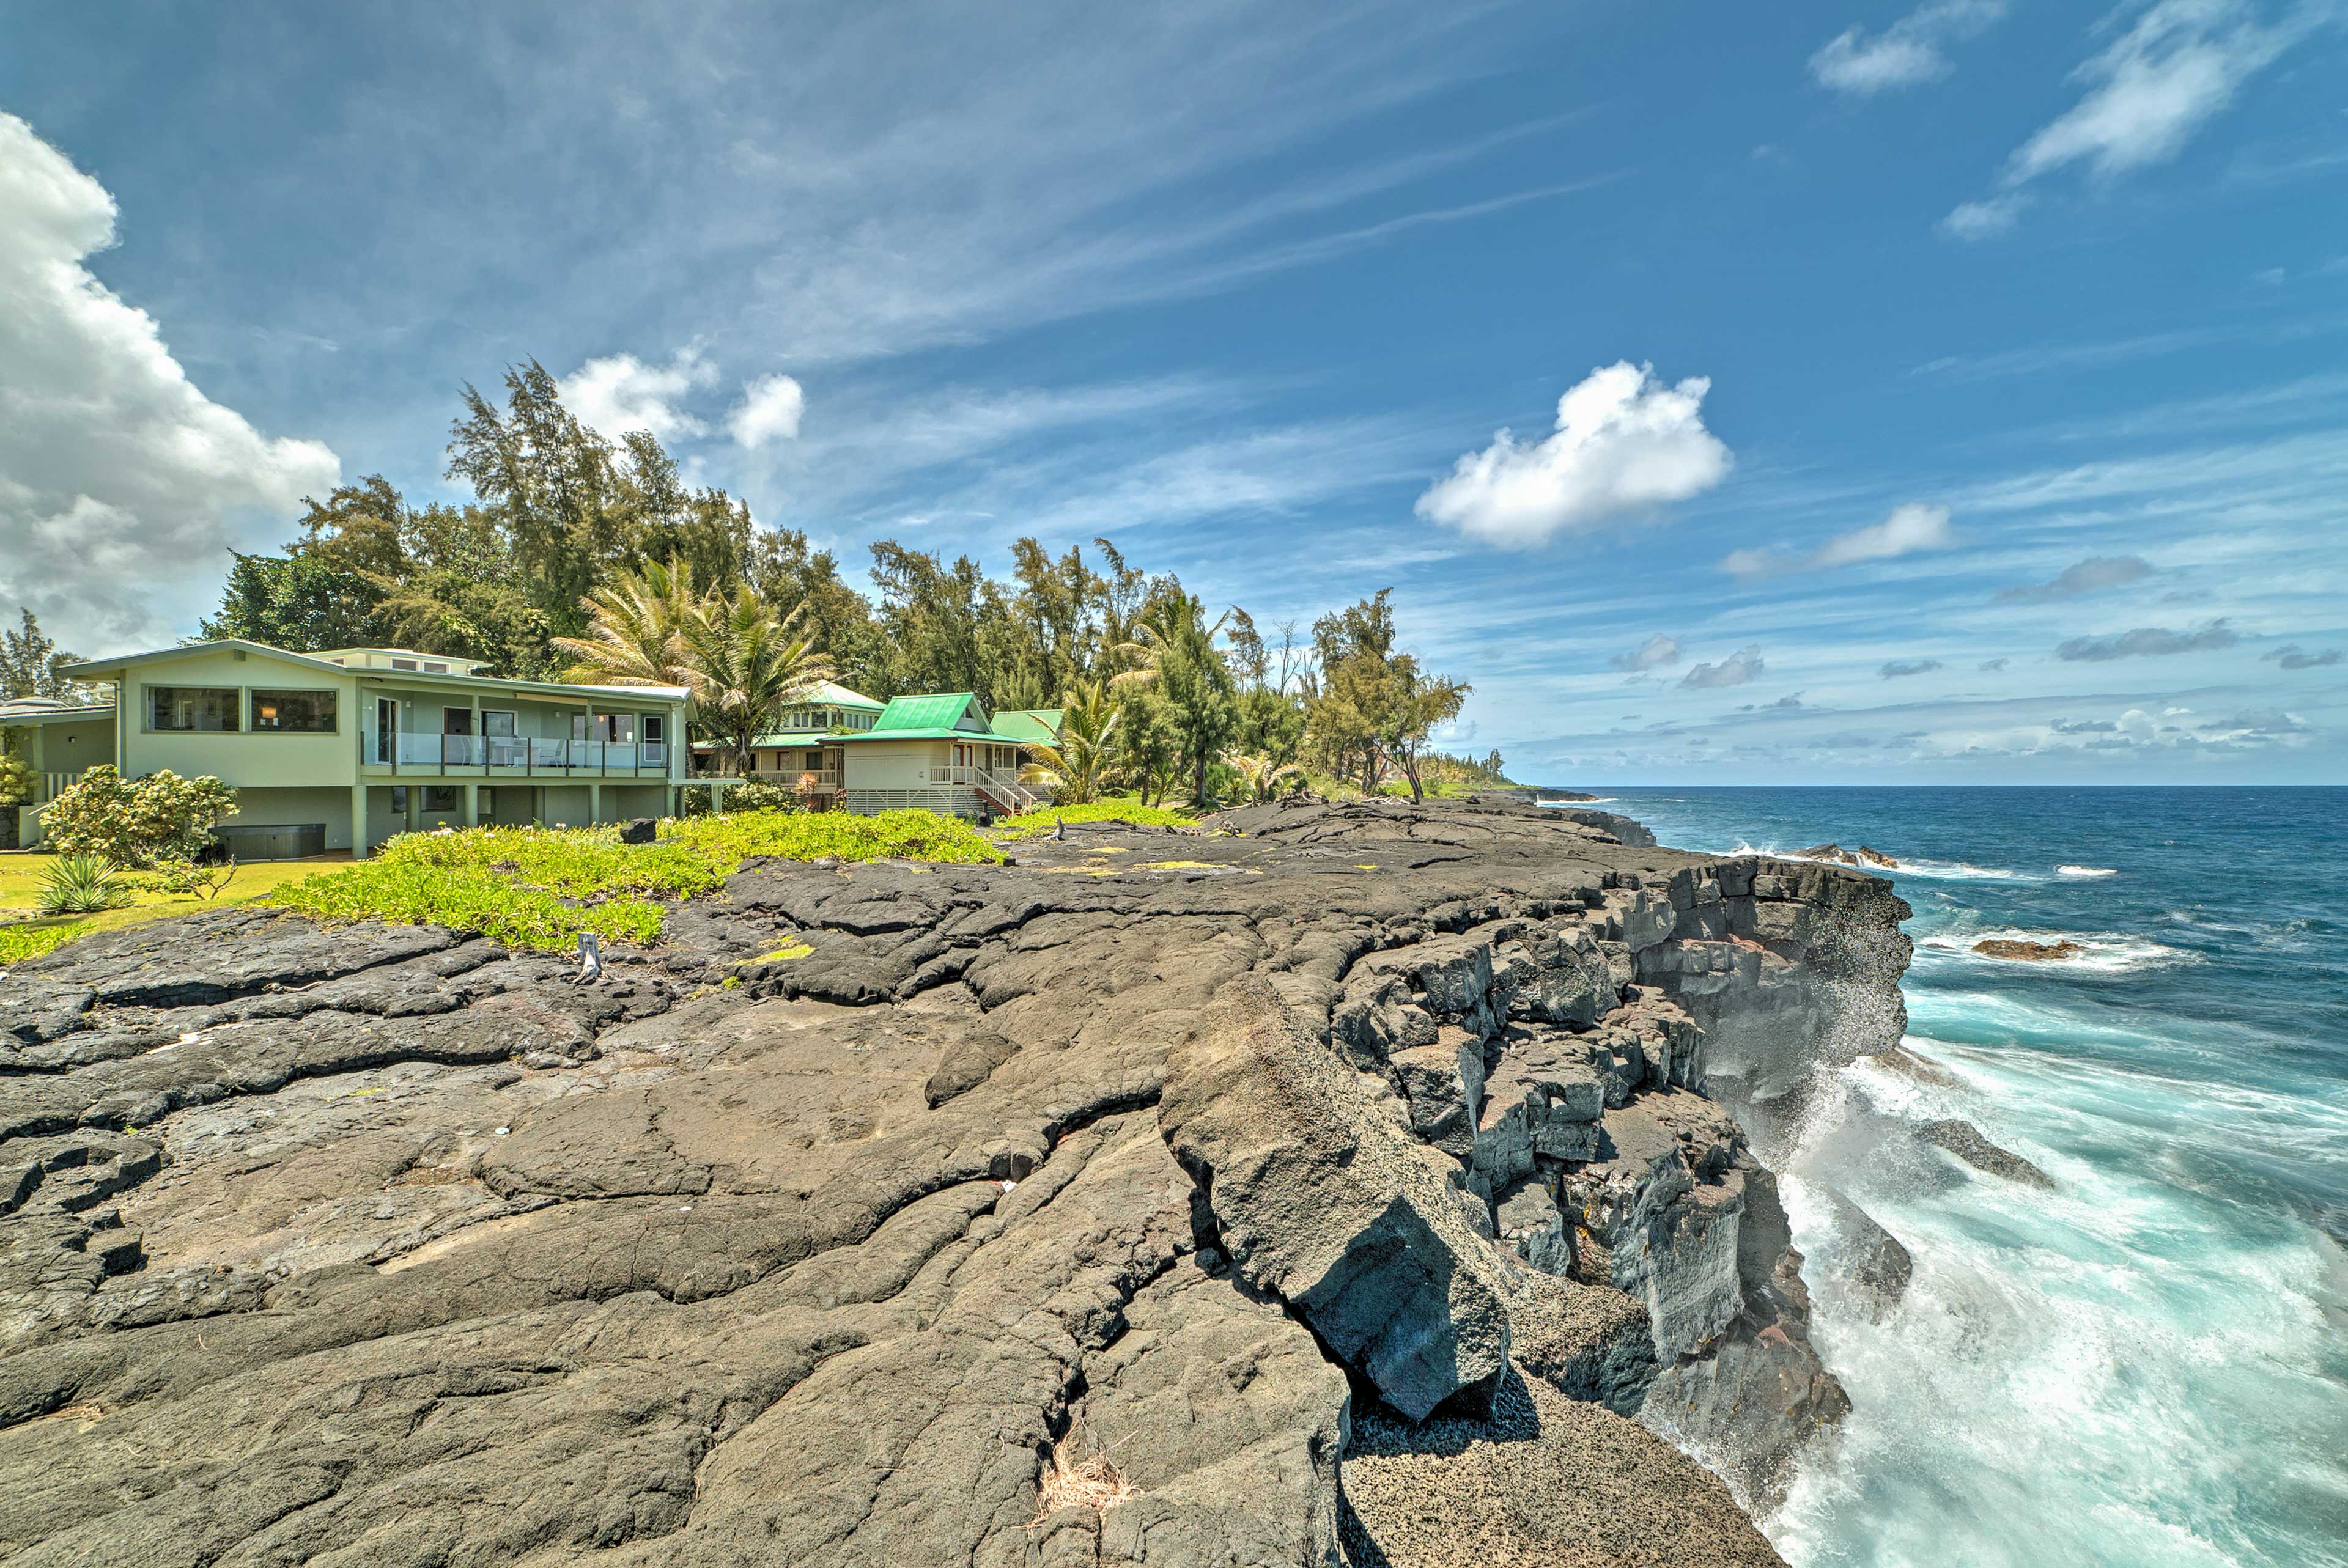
pixel 20 881
pixel 1120 808
pixel 540 887
pixel 18 943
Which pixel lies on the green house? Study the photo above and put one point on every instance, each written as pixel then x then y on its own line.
pixel 342 750
pixel 941 752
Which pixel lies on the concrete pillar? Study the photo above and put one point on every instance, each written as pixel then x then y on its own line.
pixel 415 806
pixel 358 822
pixel 595 805
pixel 472 796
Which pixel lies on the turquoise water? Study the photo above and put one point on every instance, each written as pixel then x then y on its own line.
pixel 2149 1365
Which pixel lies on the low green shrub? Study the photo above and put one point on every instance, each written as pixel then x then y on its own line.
pixel 1117 808
pixel 81 885
pixel 18 943
pixel 539 887
pixel 759 795
pixel 137 822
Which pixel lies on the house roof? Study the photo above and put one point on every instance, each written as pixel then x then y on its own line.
pixel 456 665
pixel 1042 725
pixel 104 667
pixel 831 694
pixel 42 711
pixel 976 737
pixel 930 711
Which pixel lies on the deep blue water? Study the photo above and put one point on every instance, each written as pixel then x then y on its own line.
pixel 2147 1366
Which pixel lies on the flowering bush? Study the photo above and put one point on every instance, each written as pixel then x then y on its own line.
pixel 137 822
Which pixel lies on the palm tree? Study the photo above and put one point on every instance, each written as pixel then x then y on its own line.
pixel 1076 769
pixel 1175 645
pixel 634 630
pixel 1262 780
pixel 744 667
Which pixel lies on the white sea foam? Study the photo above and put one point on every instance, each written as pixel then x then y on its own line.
pixel 2073 1373
pixel 2107 952
pixel 2085 873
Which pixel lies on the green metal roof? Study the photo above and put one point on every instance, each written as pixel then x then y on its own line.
pixel 975 737
pixel 931 711
pixel 1030 723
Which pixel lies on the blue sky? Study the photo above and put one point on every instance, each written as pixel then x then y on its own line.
pixel 1958 392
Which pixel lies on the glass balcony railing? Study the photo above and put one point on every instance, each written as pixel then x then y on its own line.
pixel 516 753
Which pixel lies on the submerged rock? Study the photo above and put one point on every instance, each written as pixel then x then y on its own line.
pixel 2029 952
pixel 1861 856
pixel 1964 1140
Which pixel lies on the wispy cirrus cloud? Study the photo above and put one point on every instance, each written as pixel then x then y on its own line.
pixel 2086 577
pixel 1653 654
pixel 1908 530
pixel 2292 656
pixel 2146 642
pixel 1733 671
pixel 1910 51
pixel 2148 93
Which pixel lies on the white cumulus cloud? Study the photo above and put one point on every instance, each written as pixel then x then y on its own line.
pixel 1625 443
pixel 1907 52
pixel 120 482
pixel 620 392
pixel 1908 530
pixel 769 410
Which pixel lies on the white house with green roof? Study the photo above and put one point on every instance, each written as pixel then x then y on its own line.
pixel 801 751
pixel 941 752
pixel 342 750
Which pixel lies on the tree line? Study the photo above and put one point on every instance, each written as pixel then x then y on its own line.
pixel 582 559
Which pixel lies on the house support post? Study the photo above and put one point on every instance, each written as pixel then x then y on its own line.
pixel 473 801
pixel 358 822
pixel 595 805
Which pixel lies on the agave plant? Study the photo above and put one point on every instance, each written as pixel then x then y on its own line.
pixel 81 885
pixel 1261 779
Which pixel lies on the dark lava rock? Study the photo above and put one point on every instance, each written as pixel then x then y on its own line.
pixel 2029 952
pixel 811 1236
pixel 1964 1140
pixel 642 830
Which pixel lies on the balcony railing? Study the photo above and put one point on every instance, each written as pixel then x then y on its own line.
pixel 521 754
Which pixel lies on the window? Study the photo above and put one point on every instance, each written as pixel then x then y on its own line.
pixel 439 797
pixel 193 707
pixel 399 799
pixel 403 663
pixel 432 669
pixel 293 712
pixel 495 722
pixel 655 730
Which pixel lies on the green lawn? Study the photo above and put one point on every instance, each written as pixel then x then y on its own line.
pixel 24 934
pixel 1114 808
pixel 540 887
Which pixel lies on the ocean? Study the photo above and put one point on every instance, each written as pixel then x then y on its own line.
pixel 2147 1365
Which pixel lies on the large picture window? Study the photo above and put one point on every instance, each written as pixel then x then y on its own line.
pixel 294 712
pixel 193 707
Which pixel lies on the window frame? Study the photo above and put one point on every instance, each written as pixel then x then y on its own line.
pixel 252 695
pixel 236 711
